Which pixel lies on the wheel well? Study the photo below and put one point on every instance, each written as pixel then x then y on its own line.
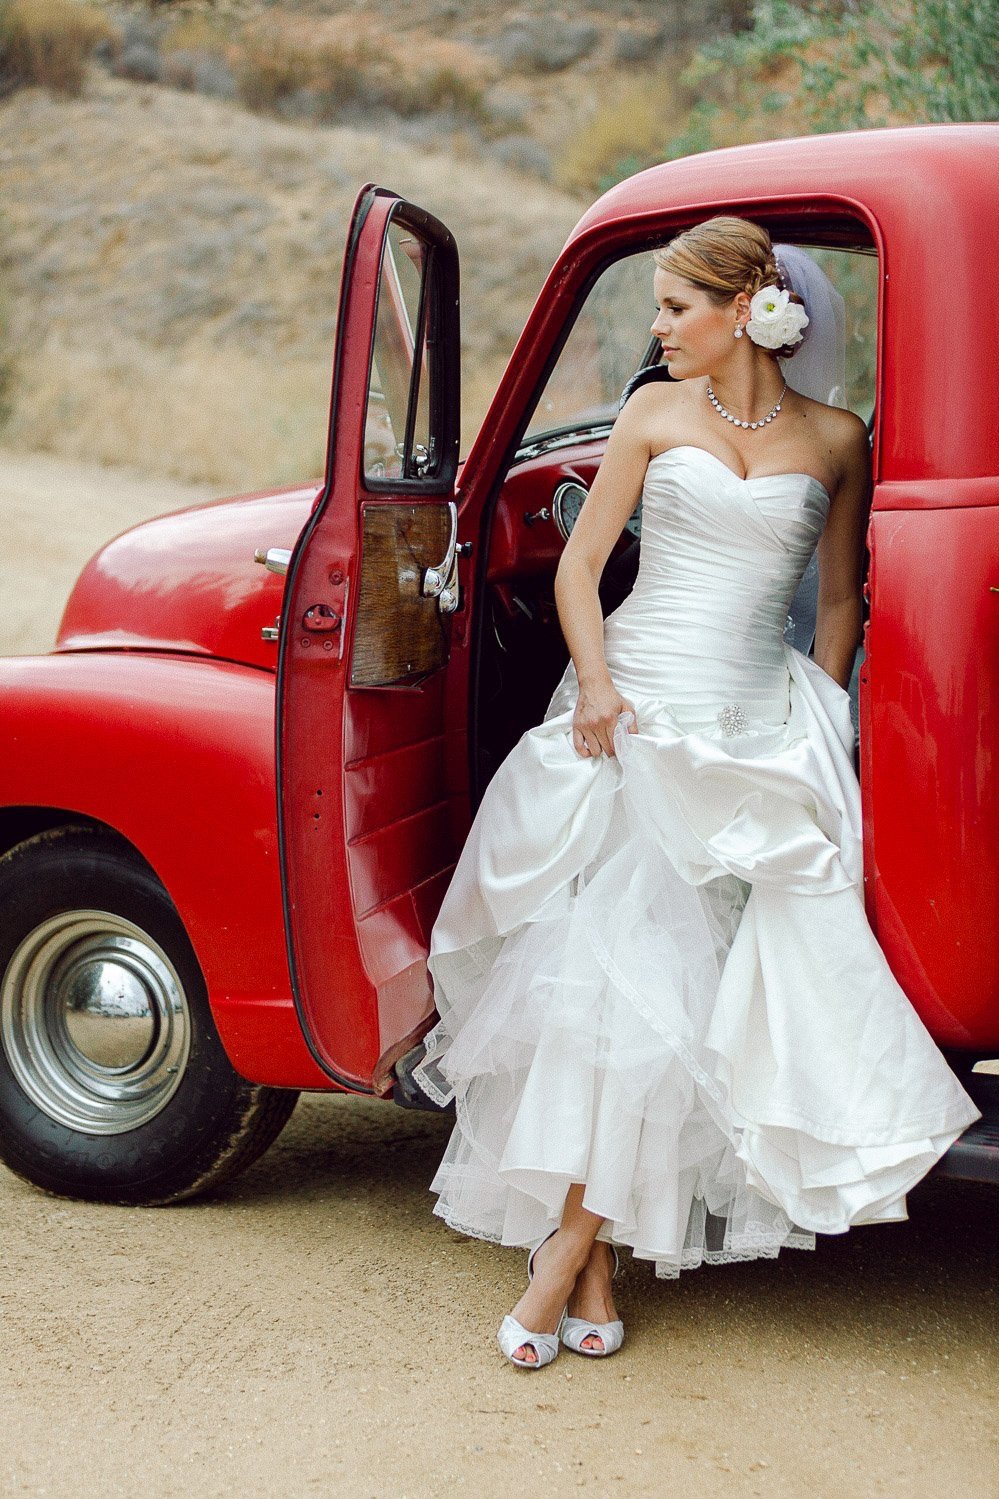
pixel 19 823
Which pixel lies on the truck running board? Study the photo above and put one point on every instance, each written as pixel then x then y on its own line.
pixel 974 1156
pixel 408 1093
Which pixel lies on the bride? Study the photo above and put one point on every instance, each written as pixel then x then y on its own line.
pixel 664 1018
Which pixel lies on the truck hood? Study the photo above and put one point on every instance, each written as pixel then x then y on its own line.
pixel 188 582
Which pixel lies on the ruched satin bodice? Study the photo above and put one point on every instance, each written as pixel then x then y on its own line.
pixel 721 558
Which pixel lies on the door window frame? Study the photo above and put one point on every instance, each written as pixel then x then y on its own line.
pixel 434 350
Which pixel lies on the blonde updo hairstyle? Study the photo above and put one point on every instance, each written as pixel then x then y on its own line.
pixel 722 257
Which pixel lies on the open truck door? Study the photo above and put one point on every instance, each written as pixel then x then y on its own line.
pixel 366 842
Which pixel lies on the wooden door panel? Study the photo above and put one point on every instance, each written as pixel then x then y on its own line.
pixel 400 635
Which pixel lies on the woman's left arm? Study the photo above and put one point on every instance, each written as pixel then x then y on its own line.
pixel 839 622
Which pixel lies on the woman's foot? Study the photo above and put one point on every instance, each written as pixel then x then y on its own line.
pixel 557 1264
pixel 591 1298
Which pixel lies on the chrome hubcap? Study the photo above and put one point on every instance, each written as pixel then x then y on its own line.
pixel 95 1022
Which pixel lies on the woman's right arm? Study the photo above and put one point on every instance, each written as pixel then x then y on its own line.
pixel 611 500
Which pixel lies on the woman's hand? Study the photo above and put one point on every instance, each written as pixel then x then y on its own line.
pixel 598 708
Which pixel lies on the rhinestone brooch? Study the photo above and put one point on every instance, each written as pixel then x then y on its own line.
pixel 732 720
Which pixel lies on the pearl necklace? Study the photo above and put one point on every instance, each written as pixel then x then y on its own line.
pixel 752 425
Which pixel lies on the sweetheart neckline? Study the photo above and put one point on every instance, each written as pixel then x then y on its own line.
pixel 750 478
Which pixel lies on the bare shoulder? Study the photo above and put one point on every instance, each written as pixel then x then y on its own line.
pixel 842 437
pixel 650 400
pixel 648 412
pixel 850 447
pixel 843 431
pixel 850 429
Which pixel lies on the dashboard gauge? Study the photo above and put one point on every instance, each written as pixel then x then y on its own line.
pixel 568 502
pixel 566 505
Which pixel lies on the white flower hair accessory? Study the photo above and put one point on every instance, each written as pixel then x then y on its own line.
pixel 774 320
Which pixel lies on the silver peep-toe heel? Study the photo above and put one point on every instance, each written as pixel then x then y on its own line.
pixel 513 1335
pixel 611 1334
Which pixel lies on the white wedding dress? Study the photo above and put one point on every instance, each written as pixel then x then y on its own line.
pixel 654 972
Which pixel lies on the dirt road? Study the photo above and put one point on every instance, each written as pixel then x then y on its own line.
pixel 317 1332
pixel 55 513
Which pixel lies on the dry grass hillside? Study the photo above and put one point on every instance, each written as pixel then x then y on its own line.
pixel 174 260
pixel 173 212
pixel 176 176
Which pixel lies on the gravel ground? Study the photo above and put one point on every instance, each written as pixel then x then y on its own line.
pixel 315 1331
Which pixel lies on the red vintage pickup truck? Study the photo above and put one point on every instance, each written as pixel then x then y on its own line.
pixel 232 796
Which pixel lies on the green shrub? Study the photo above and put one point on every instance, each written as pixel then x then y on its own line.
pixel 856 65
pixel 944 66
pixel 833 65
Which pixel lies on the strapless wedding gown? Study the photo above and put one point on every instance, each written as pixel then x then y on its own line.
pixel 654 972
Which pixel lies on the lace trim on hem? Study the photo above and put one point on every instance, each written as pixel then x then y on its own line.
pixel 428 1075
pixel 752 1248
pixel 693 1259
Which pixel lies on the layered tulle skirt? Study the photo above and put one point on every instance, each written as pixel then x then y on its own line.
pixel 655 976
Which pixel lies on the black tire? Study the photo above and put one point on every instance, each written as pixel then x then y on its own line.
pixel 114 1086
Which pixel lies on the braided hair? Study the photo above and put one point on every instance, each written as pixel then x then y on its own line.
pixel 723 256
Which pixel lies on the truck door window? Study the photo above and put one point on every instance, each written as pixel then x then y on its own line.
pixel 605 347
pixel 397 437
pixel 610 340
pixel 854 274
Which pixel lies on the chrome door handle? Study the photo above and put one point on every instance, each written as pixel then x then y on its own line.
pixel 275 559
pixel 441 581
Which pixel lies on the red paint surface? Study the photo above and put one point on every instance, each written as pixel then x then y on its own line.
pixel 188 582
pixel 176 754
pixel 932 803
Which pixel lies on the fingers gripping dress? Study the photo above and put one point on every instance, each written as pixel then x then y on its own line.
pixel 654 972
